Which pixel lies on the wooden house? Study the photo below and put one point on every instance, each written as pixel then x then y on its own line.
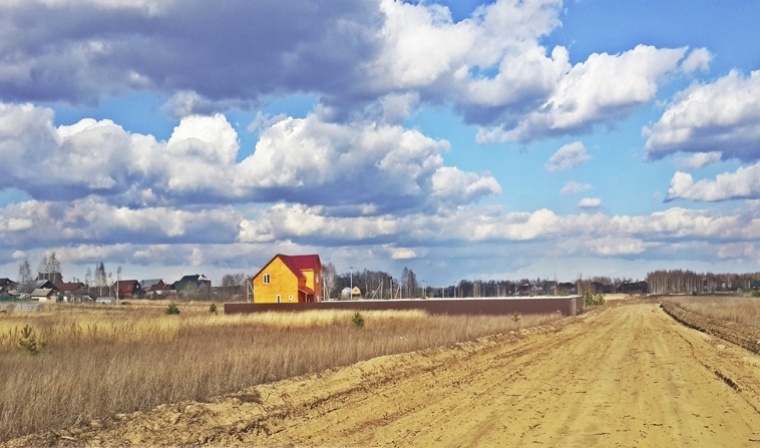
pixel 289 279
pixel 45 295
pixel 124 289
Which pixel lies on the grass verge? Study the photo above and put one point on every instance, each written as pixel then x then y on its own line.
pixel 98 361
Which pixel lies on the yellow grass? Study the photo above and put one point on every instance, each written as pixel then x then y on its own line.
pixel 100 360
pixel 744 310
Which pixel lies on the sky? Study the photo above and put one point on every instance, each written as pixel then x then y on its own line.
pixel 461 139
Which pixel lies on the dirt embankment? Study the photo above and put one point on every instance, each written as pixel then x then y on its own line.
pixel 627 376
pixel 742 335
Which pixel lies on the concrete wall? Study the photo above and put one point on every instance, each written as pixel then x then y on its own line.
pixel 567 306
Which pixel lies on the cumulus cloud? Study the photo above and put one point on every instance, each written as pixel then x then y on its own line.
pixel 77 51
pixel 383 57
pixel 588 203
pixel 91 230
pixel 472 224
pixel 572 187
pixel 742 184
pixel 402 253
pixel 567 157
pixel 723 116
pixel 315 162
pixel 698 160
pixel 300 160
pixel 697 60
pixel 611 246
pixel 93 220
pixel 602 89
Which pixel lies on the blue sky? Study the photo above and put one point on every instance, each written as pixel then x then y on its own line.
pixel 462 139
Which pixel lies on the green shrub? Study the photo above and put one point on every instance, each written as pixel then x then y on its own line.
pixel 516 317
pixel 212 309
pixel 756 293
pixel 358 320
pixel 172 309
pixel 593 299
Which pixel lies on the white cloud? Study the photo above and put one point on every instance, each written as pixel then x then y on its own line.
pixel 698 160
pixel 90 230
pixel 422 45
pixel 314 225
pixel 305 160
pixel 602 89
pixel 454 184
pixel 743 250
pixel 316 162
pixel 93 220
pixel 698 60
pixel 402 253
pixel 588 203
pixel 572 187
pixel 680 223
pixel 611 246
pixel 567 157
pixel 723 116
pixel 742 184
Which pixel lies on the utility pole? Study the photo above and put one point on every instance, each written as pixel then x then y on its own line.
pixel 351 273
pixel 118 277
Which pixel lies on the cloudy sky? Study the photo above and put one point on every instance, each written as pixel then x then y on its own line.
pixel 463 139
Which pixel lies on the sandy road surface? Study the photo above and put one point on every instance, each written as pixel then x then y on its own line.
pixel 626 376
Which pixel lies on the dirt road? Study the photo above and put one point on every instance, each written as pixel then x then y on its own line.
pixel 626 376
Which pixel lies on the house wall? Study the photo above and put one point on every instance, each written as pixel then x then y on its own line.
pixel 312 281
pixel 282 282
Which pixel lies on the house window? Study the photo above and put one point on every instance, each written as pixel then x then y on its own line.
pixel 266 279
pixel 279 299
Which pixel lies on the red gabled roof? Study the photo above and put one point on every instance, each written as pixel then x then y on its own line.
pixel 303 262
pixel 296 263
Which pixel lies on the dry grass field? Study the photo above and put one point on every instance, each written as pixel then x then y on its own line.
pixel 743 310
pixel 87 362
pixel 624 374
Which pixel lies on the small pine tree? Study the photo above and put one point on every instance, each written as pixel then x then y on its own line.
pixel 358 320
pixel 28 341
pixel 172 308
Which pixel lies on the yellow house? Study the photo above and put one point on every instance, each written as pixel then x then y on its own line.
pixel 289 279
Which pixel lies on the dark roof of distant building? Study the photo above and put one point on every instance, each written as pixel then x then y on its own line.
pixel 68 287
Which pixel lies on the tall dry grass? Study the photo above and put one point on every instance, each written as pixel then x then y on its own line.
pixel 743 310
pixel 101 361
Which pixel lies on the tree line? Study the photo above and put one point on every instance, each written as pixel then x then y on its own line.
pixel 680 281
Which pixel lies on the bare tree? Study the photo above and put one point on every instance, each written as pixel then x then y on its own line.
pixel 230 280
pixel 118 278
pixel 54 268
pixel 88 279
pixel 101 278
pixel 25 279
pixel 329 276
pixel 43 267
